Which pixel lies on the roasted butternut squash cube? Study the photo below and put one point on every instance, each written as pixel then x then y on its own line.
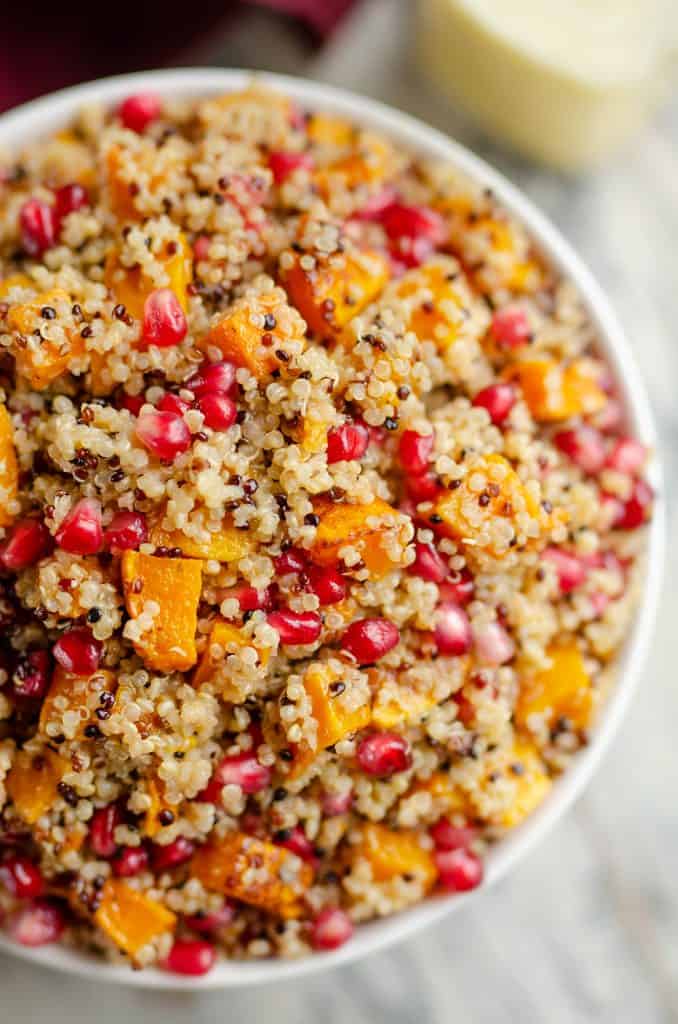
pixel 367 528
pixel 334 714
pixel 227 639
pixel 437 299
pixel 38 360
pixel 446 795
pixel 159 803
pixel 73 697
pixel 14 281
pixel 131 287
pixel 563 690
pixel 131 919
pixel 255 330
pixel 369 165
pixel 396 705
pixel 121 191
pixel 32 782
pixel 162 595
pixel 9 468
pixel 392 853
pixel 255 871
pixel 227 545
pixel 555 392
pixel 327 130
pixel 500 252
pixel 531 783
pixel 338 288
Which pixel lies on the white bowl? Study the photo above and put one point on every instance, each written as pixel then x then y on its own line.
pixel 43 116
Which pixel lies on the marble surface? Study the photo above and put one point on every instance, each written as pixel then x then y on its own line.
pixel 586 929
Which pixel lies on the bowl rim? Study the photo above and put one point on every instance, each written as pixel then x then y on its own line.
pixel 36 119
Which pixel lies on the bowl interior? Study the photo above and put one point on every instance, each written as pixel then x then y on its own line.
pixel 43 116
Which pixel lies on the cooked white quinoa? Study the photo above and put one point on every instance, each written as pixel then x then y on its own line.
pixel 417 431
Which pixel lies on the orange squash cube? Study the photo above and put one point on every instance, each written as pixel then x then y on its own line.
pixel 393 853
pixel 159 803
pixel 397 705
pixel 327 130
pixel 347 526
pixel 32 782
pixel 230 638
pixel 563 690
pixel 41 362
pixel 555 392
pixel 131 287
pixel 131 919
pixel 532 783
pixel 227 545
pixel 438 298
pixel 9 468
pixel 449 797
pixel 120 190
pixel 70 693
pixel 14 281
pixel 369 165
pixel 171 587
pixel 335 720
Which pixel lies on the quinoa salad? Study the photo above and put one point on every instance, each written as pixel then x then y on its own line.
pixel 320 529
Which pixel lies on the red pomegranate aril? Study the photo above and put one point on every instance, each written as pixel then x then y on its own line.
pixel 327 584
pixel 493 645
pixel 375 207
pixel 81 532
pixel 78 652
pixel 636 510
pixel 21 878
pixel 627 456
pixel 212 921
pixel 69 199
pixel 447 836
pixel 459 588
pixel 571 570
pixel 211 378
pixel 295 628
pixel 242 770
pixel 201 247
pixel 133 403
pixel 368 640
pixel 37 224
pixel 347 442
pixel 36 924
pixel 28 542
pixel 172 403
pixel 31 677
pixel 131 861
pixel 298 842
pixel 282 164
pixel 585 447
pixel 220 411
pixel 511 328
pixel 164 323
pixel 415 222
pixel 452 633
pixel 164 858
pixel 383 754
pixel 102 828
pixel 127 531
pixel 249 598
pixel 415 452
pixel 193 957
pixel 458 870
pixel 140 110
pixel 290 561
pixel 331 929
pixel 428 564
pixel 610 418
pixel 336 803
pixel 497 400
pixel 422 488
pixel 164 434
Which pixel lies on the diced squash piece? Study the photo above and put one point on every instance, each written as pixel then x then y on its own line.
pixel 131 287
pixel 254 330
pixel 531 783
pixel 369 165
pixel 336 289
pixel 327 130
pixel 227 545
pixel 255 871
pixel 41 361
pixel 501 252
pixel 344 525
pixel 14 281
pixel 74 696
pixel 131 919
pixel 438 299
pixel 311 435
pixel 555 392
pixel 167 591
pixel 9 468
pixel 393 853
pixel 159 803
pixel 397 705
pixel 335 720
pixel 120 190
pixel 449 797
pixel 32 782
pixel 230 638
pixel 563 690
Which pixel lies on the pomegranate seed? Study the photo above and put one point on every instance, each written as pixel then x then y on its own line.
pixel 458 870
pixel 347 442
pixel 21 878
pixel 78 652
pixel 415 452
pixel 212 378
pixel 570 569
pixel 452 633
pixel 327 584
pixel 370 639
pixel 627 456
pixel 164 322
pixel 164 858
pixel 81 532
pixel 133 403
pixel 331 929
pixel 299 843
pixel 636 510
pixel 207 923
pixel 282 164
pixel 402 221
pixel 38 227
pixel 249 599
pixel 172 403
pixel 219 411
pixel 242 770
pixel 191 956
pixel 126 532
pixel 28 542
pixel 422 488
pixel 164 434
pixel 292 560
pixel 296 627
pixel 377 204
pixel 31 678
pixel 37 924
pixel 511 328
pixel 610 418
pixel 131 860
pixel 69 199
pixel 459 588
pixel 383 754
pixel 493 644
pixel 201 247
pixel 447 836
pixel 498 400
pixel 428 564
pixel 102 828
pixel 140 110
pixel 584 446
pixel 336 803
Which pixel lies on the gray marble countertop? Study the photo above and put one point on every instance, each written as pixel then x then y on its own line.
pixel 586 928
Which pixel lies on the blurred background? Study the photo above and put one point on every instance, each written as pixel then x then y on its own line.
pixel 576 102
